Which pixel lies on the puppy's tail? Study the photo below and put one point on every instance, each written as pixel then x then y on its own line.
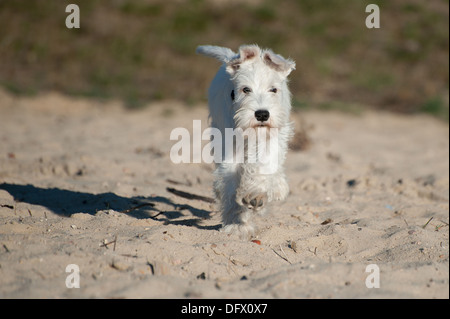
pixel 220 53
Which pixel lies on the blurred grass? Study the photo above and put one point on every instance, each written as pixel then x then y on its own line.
pixel 141 51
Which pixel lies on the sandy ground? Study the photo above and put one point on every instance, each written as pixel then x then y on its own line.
pixel 87 183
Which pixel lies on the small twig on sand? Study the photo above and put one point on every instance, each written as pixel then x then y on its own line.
pixel 437 228
pixel 105 243
pixel 39 273
pixel 284 254
pixel 126 211
pixel 189 195
pixel 284 258
pixel 426 224
pixel 406 222
pixel 152 268
pixel 171 181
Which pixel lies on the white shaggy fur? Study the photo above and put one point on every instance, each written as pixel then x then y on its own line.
pixel 250 92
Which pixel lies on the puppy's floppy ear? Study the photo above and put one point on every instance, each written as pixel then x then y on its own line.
pixel 246 53
pixel 278 63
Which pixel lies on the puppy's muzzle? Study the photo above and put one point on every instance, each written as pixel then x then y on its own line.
pixel 262 115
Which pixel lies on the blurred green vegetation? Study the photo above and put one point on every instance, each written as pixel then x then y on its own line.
pixel 144 50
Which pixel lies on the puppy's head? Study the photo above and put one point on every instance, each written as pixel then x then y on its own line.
pixel 260 95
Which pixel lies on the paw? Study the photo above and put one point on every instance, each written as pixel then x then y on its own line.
pixel 280 190
pixel 244 231
pixel 254 202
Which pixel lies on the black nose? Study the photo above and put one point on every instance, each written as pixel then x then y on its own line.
pixel 262 115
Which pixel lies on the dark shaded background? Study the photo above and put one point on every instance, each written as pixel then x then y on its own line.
pixel 142 51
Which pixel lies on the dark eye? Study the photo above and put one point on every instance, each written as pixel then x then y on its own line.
pixel 246 90
pixel 273 90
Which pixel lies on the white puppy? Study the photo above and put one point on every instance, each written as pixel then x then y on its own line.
pixel 249 99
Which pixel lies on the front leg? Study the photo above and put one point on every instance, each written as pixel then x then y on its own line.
pixel 279 189
pixel 252 192
pixel 236 217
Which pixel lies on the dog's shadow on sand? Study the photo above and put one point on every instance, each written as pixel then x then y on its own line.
pixel 66 203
